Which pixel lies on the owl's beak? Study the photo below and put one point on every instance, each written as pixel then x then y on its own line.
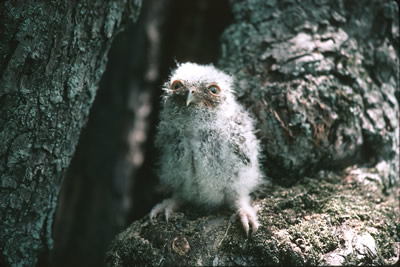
pixel 190 97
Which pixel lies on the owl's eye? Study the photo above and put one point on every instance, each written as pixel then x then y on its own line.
pixel 214 89
pixel 177 85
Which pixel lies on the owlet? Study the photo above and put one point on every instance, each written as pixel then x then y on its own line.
pixel 209 152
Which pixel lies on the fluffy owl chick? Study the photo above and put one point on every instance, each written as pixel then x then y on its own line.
pixel 209 152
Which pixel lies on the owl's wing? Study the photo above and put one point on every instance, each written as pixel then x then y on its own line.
pixel 240 153
pixel 238 140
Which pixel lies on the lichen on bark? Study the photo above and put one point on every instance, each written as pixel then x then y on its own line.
pixel 321 80
pixel 52 56
pixel 322 220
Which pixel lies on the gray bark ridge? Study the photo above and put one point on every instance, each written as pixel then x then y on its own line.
pixel 52 56
pixel 321 78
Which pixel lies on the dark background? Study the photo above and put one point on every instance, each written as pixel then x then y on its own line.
pixel 111 180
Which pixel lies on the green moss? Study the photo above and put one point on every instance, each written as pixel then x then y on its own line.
pixel 314 234
pixel 308 223
pixel 313 216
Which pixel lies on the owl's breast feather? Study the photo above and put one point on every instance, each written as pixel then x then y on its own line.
pixel 208 167
pixel 199 160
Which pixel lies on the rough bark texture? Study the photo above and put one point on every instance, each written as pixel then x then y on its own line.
pixel 321 78
pixel 323 220
pixel 96 196
pixel 52 56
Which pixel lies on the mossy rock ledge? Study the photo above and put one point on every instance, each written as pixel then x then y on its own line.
pixel 334 218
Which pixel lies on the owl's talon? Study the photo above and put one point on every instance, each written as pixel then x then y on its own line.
pixel 248 217
pixel 168 206
pixel 166 214
pixel 245 223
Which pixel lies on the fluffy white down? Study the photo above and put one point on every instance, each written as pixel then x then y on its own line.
pixel 209 155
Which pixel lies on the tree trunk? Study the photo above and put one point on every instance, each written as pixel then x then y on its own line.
pixel 52 57
pixel 322 220
pixel 321 79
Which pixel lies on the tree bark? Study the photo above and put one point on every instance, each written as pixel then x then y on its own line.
pixel 322 220
pixel 52 57
pixel 321 79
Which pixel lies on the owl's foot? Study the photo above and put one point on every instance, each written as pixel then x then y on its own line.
pixel 248 216
pixel 168 206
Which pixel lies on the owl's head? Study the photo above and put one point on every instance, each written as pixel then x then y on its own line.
pixel 191 84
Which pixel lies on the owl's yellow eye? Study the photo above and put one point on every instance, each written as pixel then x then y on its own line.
pixel 214 89
pixel 177 84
